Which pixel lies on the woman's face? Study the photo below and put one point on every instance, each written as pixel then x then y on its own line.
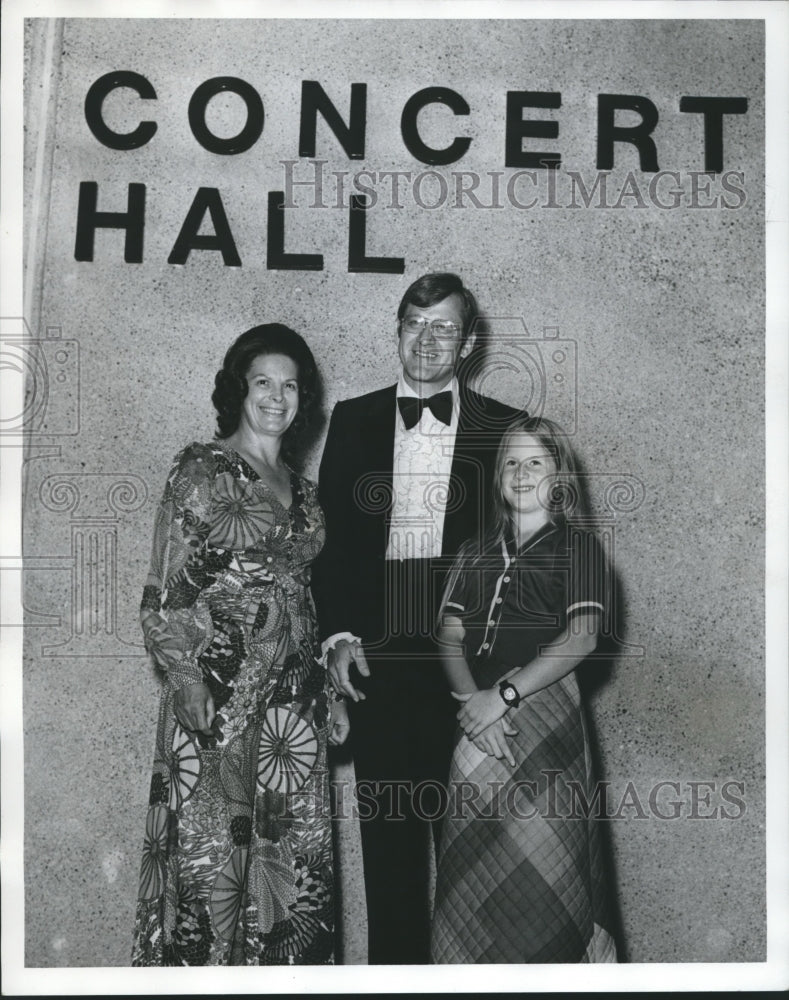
pixel 525 463
pixel 272 399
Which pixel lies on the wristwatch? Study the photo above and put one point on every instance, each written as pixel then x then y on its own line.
pixel 509 694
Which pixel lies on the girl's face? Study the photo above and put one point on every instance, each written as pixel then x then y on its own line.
pixel 525 463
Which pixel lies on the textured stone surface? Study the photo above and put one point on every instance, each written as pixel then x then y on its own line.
pixel 663 307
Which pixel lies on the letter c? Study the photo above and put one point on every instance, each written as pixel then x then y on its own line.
pixel 94 101
pixel 413 141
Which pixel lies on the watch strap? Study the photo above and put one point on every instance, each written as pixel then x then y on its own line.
pixel 511 698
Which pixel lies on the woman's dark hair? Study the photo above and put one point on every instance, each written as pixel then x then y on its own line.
pixel 230 384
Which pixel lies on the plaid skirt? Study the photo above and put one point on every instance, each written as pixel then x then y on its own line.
pixel 520 875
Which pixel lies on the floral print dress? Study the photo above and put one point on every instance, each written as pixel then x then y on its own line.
pixel 236 866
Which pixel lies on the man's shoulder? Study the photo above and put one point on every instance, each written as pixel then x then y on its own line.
pixel 495 404
pixel 487 405
pixel 369 401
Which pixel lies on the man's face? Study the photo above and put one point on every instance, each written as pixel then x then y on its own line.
pixel 430 360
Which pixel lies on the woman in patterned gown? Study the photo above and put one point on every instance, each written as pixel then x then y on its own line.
pixel 520 876
pixel 237 863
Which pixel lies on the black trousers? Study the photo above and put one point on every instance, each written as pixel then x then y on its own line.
pixel 401 738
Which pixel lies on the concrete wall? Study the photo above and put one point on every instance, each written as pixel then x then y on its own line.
pixel 661 308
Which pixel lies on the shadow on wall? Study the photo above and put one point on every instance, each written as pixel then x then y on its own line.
pixel 593 676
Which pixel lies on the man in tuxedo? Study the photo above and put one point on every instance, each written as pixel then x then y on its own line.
pixel 405 478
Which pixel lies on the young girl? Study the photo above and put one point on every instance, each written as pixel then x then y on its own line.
pixel 520 871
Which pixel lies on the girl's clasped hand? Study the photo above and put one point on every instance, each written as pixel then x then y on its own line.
pixel 480 710
pixel 482 719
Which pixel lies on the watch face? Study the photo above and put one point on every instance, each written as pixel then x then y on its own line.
pixel 508 693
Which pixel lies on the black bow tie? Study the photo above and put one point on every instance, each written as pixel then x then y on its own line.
pixel 411 408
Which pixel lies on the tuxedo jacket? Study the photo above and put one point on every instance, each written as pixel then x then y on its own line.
pixel 351 577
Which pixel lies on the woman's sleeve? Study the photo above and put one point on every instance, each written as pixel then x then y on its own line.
pixel 175 621
pixel 588 590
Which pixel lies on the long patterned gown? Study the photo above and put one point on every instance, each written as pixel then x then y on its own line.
pixel 236 864
pixel 520 872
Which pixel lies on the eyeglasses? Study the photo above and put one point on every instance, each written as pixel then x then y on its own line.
pixel 440 328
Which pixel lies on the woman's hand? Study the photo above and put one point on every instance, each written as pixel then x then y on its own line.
pixel 480 710
pixel 162 646
pixel 339 660
pixel 493 741
pixel 194 708
pixel 340 724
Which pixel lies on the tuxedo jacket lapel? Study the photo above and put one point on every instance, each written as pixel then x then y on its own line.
pixel 377 455
pixel 378 433
pixel 480 426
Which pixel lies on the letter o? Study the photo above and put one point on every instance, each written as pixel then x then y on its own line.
pixel 248 135
pixel 443 189
pixel 442 797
